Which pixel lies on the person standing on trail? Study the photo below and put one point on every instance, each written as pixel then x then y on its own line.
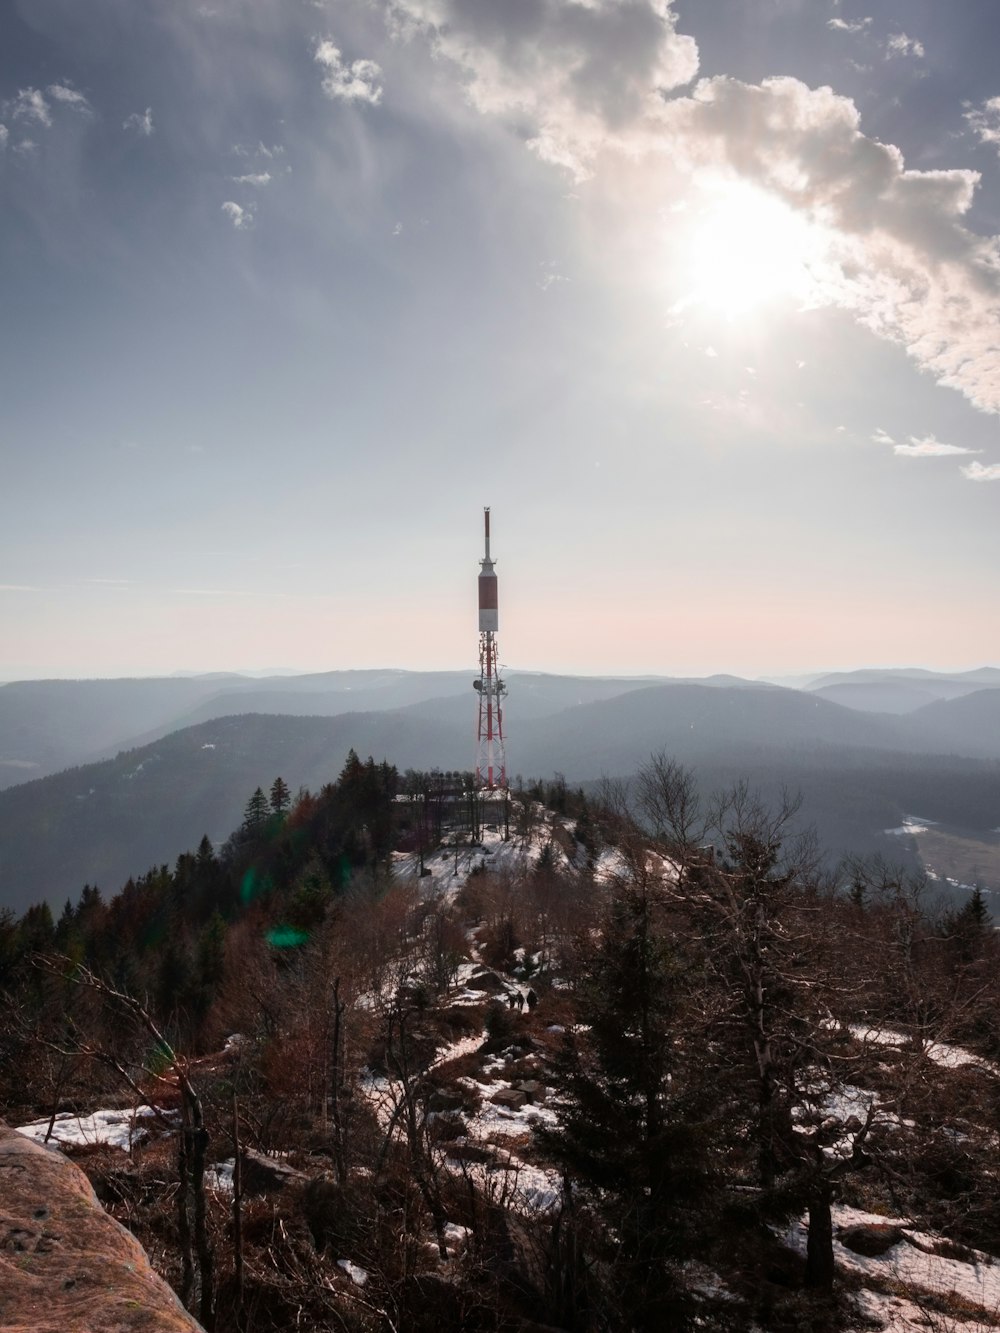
pixel 519 1000
pixel 532 1000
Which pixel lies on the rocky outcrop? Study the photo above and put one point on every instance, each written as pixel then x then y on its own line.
pixel 266 1175
pixel 65 1265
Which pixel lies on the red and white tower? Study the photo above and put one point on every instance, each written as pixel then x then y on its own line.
pixel 491 762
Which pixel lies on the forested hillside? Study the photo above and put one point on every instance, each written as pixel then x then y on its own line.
pixel 103 822
pixel 391 1060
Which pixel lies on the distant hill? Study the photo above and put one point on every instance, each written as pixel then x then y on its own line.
pixel 900 690
pixel 46 725
pixel 692 720
pixel 859 774
pixel 102 822
pixel 50 725
pixel 881 696
pixel 968 725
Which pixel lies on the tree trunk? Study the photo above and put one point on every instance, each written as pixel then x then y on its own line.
pixel 237 1213
pixel 819 1246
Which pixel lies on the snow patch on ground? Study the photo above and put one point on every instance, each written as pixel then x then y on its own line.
pixel 357 1275
pixel 116 1129
pixel 463 1046
pixel 220 1176
pixel 448 867
pixel 909 1264
pixel 940 1052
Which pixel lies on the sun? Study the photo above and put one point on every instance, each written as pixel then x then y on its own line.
pixel 746 250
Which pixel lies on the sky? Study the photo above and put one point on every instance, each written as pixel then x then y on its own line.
pixel 702 297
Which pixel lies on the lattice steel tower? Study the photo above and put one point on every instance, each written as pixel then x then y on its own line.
pixel 491 762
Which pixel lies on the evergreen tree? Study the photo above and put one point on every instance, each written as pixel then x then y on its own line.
pixel 280 796
pixel 256 814
pixel 634 1125
pixel 37 930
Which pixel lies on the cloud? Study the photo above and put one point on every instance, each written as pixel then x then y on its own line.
pixel 241 218
pixel 900 257
pixel 845 25
pixel 29 105
pixel 985 121
pixel 977 472
pixel 356 82
pixel 580 74
pixel 60 92
pixel 901 45
pixel 253 178
pixel 882 437
pixel 4 136
pixel 590 78
pixel 262 150
pixel 140 122
pixel 929 448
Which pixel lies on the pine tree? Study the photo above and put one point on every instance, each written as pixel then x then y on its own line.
pixel 280 796
pixel 634 1124
pixel 256 814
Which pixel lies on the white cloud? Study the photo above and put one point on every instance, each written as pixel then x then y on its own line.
pixel 354 82
pixel 4 136
pixel 581 74
pixel 253 178
pixel 901 258
pixel 60 92
pixel 985 121
pixel 845 25
pixel 241 218
pixel 583 79
pixel 30 105
pixel 901 45
pixel 882 436
pixel 977 472
pixel 262 150
pixel 141 122
pixel 929 448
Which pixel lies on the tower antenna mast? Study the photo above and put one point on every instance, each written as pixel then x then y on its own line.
pixel 491 761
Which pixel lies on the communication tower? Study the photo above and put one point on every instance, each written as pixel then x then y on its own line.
pixel 491 762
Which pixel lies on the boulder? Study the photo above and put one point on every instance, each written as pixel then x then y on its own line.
pixel 267 1175
pixel 512 1098
pixel 534 1091
pixel 65 1265
pixel 870 1239
pixel 486 980
pixel 468 1152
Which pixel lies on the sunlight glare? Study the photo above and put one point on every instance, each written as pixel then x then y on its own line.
pixel 748 249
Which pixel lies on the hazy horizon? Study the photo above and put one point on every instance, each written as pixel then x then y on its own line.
pixel 780 676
